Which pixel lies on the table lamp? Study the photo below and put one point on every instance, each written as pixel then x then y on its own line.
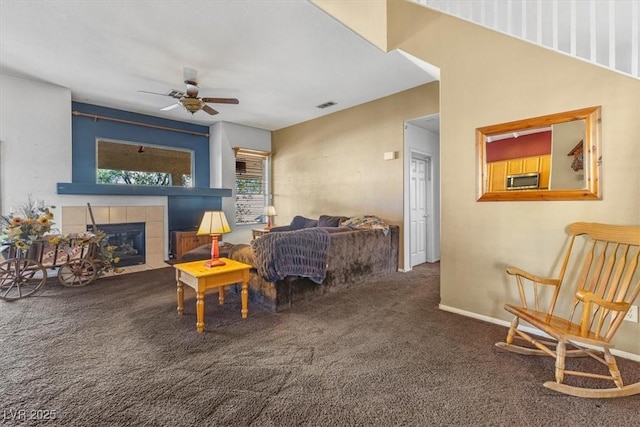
pixel 269 211
pixel 214 223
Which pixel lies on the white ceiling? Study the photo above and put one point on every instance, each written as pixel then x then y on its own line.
pixel 280 58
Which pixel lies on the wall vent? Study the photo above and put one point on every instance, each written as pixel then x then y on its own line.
pixel 326 104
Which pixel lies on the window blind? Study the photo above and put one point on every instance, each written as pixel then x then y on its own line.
pixel 251 186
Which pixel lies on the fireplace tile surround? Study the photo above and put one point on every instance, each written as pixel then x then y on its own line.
pixel 76 218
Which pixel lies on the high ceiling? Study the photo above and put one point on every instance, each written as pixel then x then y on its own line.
pixel 280 58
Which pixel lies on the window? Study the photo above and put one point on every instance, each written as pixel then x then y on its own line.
pixel 252 185
pixel 134 164
pixel 117 176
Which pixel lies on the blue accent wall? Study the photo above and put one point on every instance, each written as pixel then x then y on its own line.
pixel 86 130
pixel 185 204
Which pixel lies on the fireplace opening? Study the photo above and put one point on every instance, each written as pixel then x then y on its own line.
pixel 128 239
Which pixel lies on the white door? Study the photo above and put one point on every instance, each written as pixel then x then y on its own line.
pixel 418 209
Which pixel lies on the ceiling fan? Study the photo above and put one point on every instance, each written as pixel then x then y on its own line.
pixel 189 99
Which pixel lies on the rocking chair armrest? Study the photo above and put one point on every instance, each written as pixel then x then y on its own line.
pixel 515 271
pixel 587 297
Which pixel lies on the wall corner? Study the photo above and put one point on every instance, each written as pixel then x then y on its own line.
pixel 366 18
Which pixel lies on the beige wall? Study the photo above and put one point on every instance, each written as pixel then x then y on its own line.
pixel 371 21
pixel 334 165
pixel 488 78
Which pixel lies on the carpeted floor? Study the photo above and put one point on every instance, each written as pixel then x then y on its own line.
pixel 376 354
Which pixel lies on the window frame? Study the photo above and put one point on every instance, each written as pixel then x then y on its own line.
pixel 265 157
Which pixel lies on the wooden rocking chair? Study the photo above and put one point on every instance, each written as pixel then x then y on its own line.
pixel 606 286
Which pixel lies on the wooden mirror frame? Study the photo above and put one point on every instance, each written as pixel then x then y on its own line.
pixel 592 157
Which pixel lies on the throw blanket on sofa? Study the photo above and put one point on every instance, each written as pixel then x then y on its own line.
pixel 292 253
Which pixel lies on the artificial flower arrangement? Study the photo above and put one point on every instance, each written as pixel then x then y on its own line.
pixel 31 223
pixel 35 223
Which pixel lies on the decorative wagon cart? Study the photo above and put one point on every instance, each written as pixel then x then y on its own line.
pixel 24 271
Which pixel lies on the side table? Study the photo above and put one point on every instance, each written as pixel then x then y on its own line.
pixel 258 232
pixel 195 275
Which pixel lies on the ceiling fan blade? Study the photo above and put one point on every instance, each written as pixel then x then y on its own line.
pixel 152 93
pixel 170 107
pixel 221 100
pixel 172 93
pixel 209 110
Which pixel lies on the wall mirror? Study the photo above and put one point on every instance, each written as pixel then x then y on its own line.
pixel 135 164
pixel 553 157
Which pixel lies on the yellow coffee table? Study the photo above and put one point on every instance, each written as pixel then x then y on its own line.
pixel 199 277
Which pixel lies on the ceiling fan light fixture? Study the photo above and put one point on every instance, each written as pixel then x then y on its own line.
pixel 191 104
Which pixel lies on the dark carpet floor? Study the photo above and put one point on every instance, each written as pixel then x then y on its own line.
pixel 115 353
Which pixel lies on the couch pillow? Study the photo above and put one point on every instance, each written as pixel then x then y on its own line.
pixel 298 222
pixel 366 222
pixel 330 221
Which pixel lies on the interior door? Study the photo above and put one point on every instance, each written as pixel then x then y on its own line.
pixel 418 209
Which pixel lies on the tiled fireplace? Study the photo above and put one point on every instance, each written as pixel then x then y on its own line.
pixel 128 241
pixel 76 219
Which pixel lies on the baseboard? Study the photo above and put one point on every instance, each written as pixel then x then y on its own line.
pixel 528 329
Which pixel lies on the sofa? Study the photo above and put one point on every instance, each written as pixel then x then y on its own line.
pixel 204 252
pixel 358 250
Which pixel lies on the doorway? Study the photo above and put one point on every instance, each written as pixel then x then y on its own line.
pixel 422 191
pixel 419 206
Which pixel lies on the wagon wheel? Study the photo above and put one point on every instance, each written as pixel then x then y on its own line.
pixel 77 273
pixel 20 277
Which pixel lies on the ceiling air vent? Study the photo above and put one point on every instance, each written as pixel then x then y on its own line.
pixel 326 104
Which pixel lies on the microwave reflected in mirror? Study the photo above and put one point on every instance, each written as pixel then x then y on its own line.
pixel 523 181
pixel 545 158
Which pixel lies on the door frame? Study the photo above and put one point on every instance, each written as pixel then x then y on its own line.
pixel 428 148
pixel 428 195
pixel 411 153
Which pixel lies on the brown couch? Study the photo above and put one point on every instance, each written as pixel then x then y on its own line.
pixel 353 256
